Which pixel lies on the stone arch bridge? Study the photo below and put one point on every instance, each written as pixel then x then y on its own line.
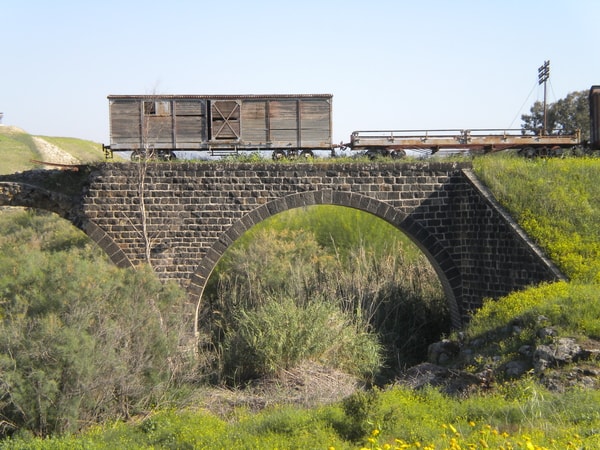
pixel 183 216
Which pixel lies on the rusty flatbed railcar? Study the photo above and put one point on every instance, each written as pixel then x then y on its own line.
pixel 220 124
pixel 395 142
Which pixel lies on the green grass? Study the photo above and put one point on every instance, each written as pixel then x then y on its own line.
pixel 395 419
pixel 557 202
pixel 570 307
pixel 16 150
pixel 338 229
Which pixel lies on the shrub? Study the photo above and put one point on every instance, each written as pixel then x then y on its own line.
pixel 80 340
pixel 280 334
pixel 362 410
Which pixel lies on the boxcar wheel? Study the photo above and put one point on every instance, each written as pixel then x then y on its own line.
pixel 137 155
pixel 166 155
pixel 372 154
pixel 307 154
pixel 278 154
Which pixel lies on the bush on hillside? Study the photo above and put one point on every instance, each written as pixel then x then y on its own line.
pixel 80 340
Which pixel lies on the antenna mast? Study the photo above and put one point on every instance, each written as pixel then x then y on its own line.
pixel 543 75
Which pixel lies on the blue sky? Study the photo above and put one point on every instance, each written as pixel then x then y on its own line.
pixel 390 64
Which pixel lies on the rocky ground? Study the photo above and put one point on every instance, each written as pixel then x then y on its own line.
pixel 557 362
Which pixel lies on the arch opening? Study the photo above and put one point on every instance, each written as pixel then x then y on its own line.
pixel 387 279
pixel 435 253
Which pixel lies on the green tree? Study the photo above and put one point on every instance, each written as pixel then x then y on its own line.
pixel 564 116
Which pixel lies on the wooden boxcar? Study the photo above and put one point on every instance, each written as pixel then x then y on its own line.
pixel 220 124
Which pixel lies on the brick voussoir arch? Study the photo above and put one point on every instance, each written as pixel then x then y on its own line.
pixel 442 262
pixel 197 211
pixel 106 243
pixel 438 257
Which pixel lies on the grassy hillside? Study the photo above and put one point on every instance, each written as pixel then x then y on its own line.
pixel 557 202
pixel 18 148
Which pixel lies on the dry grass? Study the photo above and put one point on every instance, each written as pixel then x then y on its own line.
pixel 306 386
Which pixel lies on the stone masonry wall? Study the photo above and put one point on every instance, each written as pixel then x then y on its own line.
pixel 193 212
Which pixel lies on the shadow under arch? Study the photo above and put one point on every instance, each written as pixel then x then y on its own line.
pixel 30 196
pixel 436 254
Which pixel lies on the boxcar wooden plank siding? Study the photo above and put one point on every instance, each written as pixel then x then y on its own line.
pixel 190 107
pixel 191 122
pixel 254 122
pixel 125 123
pixel 158 130
pixel 283 115
pixel 190 130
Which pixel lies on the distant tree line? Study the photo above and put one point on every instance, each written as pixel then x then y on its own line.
pixel 565 116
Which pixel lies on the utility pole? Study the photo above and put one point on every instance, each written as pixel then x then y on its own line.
pixel 543 75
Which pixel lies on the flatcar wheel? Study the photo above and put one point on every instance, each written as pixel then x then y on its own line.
pixel 396 154
pixel 557 152
pixel 278 154
pixel 528 152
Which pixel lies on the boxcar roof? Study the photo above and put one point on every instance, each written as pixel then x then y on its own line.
pixel 219 97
